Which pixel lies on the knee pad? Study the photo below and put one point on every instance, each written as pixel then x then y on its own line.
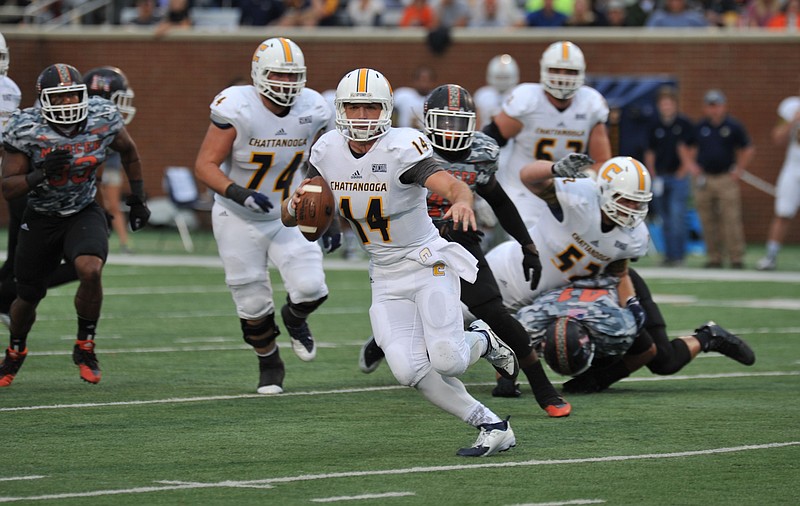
pixel 259 336
pixel 253 300
pixel 303 309
pixel 31 293
pixel 446 359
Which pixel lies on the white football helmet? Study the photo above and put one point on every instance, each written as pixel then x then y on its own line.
pixel 502 73
pixel 279 56
pixel 625 190
pixel 562 55
pixel 5 57
pixel 363 86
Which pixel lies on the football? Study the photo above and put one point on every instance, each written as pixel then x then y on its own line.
pixel 316 209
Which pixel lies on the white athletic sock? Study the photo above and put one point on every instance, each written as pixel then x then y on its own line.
pixel 478 345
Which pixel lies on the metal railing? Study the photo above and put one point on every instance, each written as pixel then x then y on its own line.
pixel 38 13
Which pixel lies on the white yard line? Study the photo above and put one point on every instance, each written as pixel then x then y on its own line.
pixel 181 400
pixel 171 485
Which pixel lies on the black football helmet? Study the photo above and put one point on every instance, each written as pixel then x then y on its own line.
pixel 55 84
pixel 111 83
pixel 450 118
pixel 567 347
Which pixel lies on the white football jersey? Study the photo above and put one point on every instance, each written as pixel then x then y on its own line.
pixel 269 151
pixel 10 98
pixel 572 248
pixel 547 134
pixel 408 108
pixel 787 110
pixel 389 217
pixel 488 103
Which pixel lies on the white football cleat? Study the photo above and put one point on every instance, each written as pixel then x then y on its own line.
pixel 766 264
pixel 498 353
pixel 494 438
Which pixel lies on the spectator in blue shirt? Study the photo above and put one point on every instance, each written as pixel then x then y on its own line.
pixel 547 16
pixel 669 157
pixel 724 151
pixel 676 14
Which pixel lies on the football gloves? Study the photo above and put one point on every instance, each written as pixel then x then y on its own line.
pixel 531 265
pixel 55 162
pixel 248 198
pixel 53 166
pixel 636 308
pixel 331 240
pixel 572 165
pixel 139 214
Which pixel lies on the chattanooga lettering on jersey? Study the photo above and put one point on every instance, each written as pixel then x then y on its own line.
pixel 277 143
pixel 356 186
pixel 588 248
pixel 560 131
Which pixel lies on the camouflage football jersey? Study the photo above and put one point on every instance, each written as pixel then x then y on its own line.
pixel 268 150
pixel 477 169
pixel 595 303
pixel 29 133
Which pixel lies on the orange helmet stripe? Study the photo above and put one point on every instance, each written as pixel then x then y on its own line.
pixel 641 170
pixel 287 50
pixel 565 50
pixel 362 80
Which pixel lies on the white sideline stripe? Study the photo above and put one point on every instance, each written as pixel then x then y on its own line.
pixel 15 478
pixel 563 503
pixel 363 496
pixel 178 400
pixel 401 471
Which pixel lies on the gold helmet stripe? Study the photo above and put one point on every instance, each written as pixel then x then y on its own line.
pixel 287 50
pixel 641 170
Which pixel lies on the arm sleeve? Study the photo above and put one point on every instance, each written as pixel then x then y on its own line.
pixel 492 131
pixel 420 172
pixel 506 211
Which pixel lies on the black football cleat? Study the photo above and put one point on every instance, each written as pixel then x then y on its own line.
pixel 730 345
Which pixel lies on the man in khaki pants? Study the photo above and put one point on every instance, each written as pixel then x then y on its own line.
pixel 724 151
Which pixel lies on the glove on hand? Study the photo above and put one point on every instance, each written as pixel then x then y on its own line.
pixel 248 198
pixel 331 240
pixel 636 308
pixel 139 214
pixel 572 165
pixel 531 265
pixel 55 163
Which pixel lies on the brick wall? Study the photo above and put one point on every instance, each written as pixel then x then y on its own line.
pixel 175 77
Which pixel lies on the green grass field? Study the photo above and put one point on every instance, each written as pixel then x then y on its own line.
pixel 176 419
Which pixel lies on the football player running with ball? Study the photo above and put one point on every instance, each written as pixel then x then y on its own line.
pixel 257 141
pixel 472 157
pixel 380 177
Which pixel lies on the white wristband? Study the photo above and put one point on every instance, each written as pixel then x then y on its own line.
pixel 291 210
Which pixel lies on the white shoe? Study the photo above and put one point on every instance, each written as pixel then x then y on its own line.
pixel 270 390
pixel 498 353
pixel 494 438
pixel 767 264
pixel 302 341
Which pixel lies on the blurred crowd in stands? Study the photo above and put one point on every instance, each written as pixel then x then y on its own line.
pixel 429 14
